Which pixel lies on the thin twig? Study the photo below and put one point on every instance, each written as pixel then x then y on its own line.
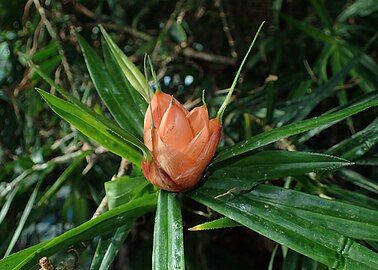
pixel 25 82
pixel 55 36
pixel 189 52
pixel 226 28
pixel 123 29
pixel 127 29
pixel 25 14
pixel 310 71
pixel 347 85
pixel 102 207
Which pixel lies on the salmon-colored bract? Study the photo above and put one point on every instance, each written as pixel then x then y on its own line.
pixel 182 143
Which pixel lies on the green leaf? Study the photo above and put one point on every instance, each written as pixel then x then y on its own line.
pixel 62 178
pixel 115 244
pixel 358 8
pixel 322 12
pixel 111 128
pixel 219 223
pixel 118 191
pixel 359 180
pixel 48 59
pixel 29 176
pixel 7 204
pixel 102 247
pixel 131 72
pixel 98 226
pixel 310 30
pixel 115 130
pixel 292 260
pixel 276 134
pixel 354 147
pixel 368 161
pixel 168 247
pixel 301 108
pixel 366 71
pixel 93 128
pixel 349 220
pixel 45 53
pixel 259 212
pixel 124 189
pixel 353 197
pixel 272 256
pixel 49 66
pixel 309 134
pixel 267 165
pixel 122 82
pixel 24 217
pixel 118 100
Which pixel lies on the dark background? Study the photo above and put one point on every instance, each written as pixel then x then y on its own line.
pixel 194 45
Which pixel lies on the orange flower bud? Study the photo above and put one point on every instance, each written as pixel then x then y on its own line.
pixel 182 143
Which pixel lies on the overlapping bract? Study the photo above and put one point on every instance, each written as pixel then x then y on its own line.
pixel 182 143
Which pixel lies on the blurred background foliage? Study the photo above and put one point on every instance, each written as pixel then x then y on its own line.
pixel 194 45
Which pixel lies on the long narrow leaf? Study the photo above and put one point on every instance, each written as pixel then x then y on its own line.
pixel 118 191
pixel 349 220
pixel 124 189
pixel 359 180
pixel 114 245
pixel 103 224
pixel 310 30
pixel 24 217
pixel 132 73
pixel 286 228
pixel 168 247
pixel 352 197
pixel 267 165
pixel 7 204
pixel 276 134
pixel 62 178
pixel 92 128
pixel 119 102
pixel 219 223
pixel 309 134
pixel 111 127
pixel 121 81
pixel 292 260
pixel 357 145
